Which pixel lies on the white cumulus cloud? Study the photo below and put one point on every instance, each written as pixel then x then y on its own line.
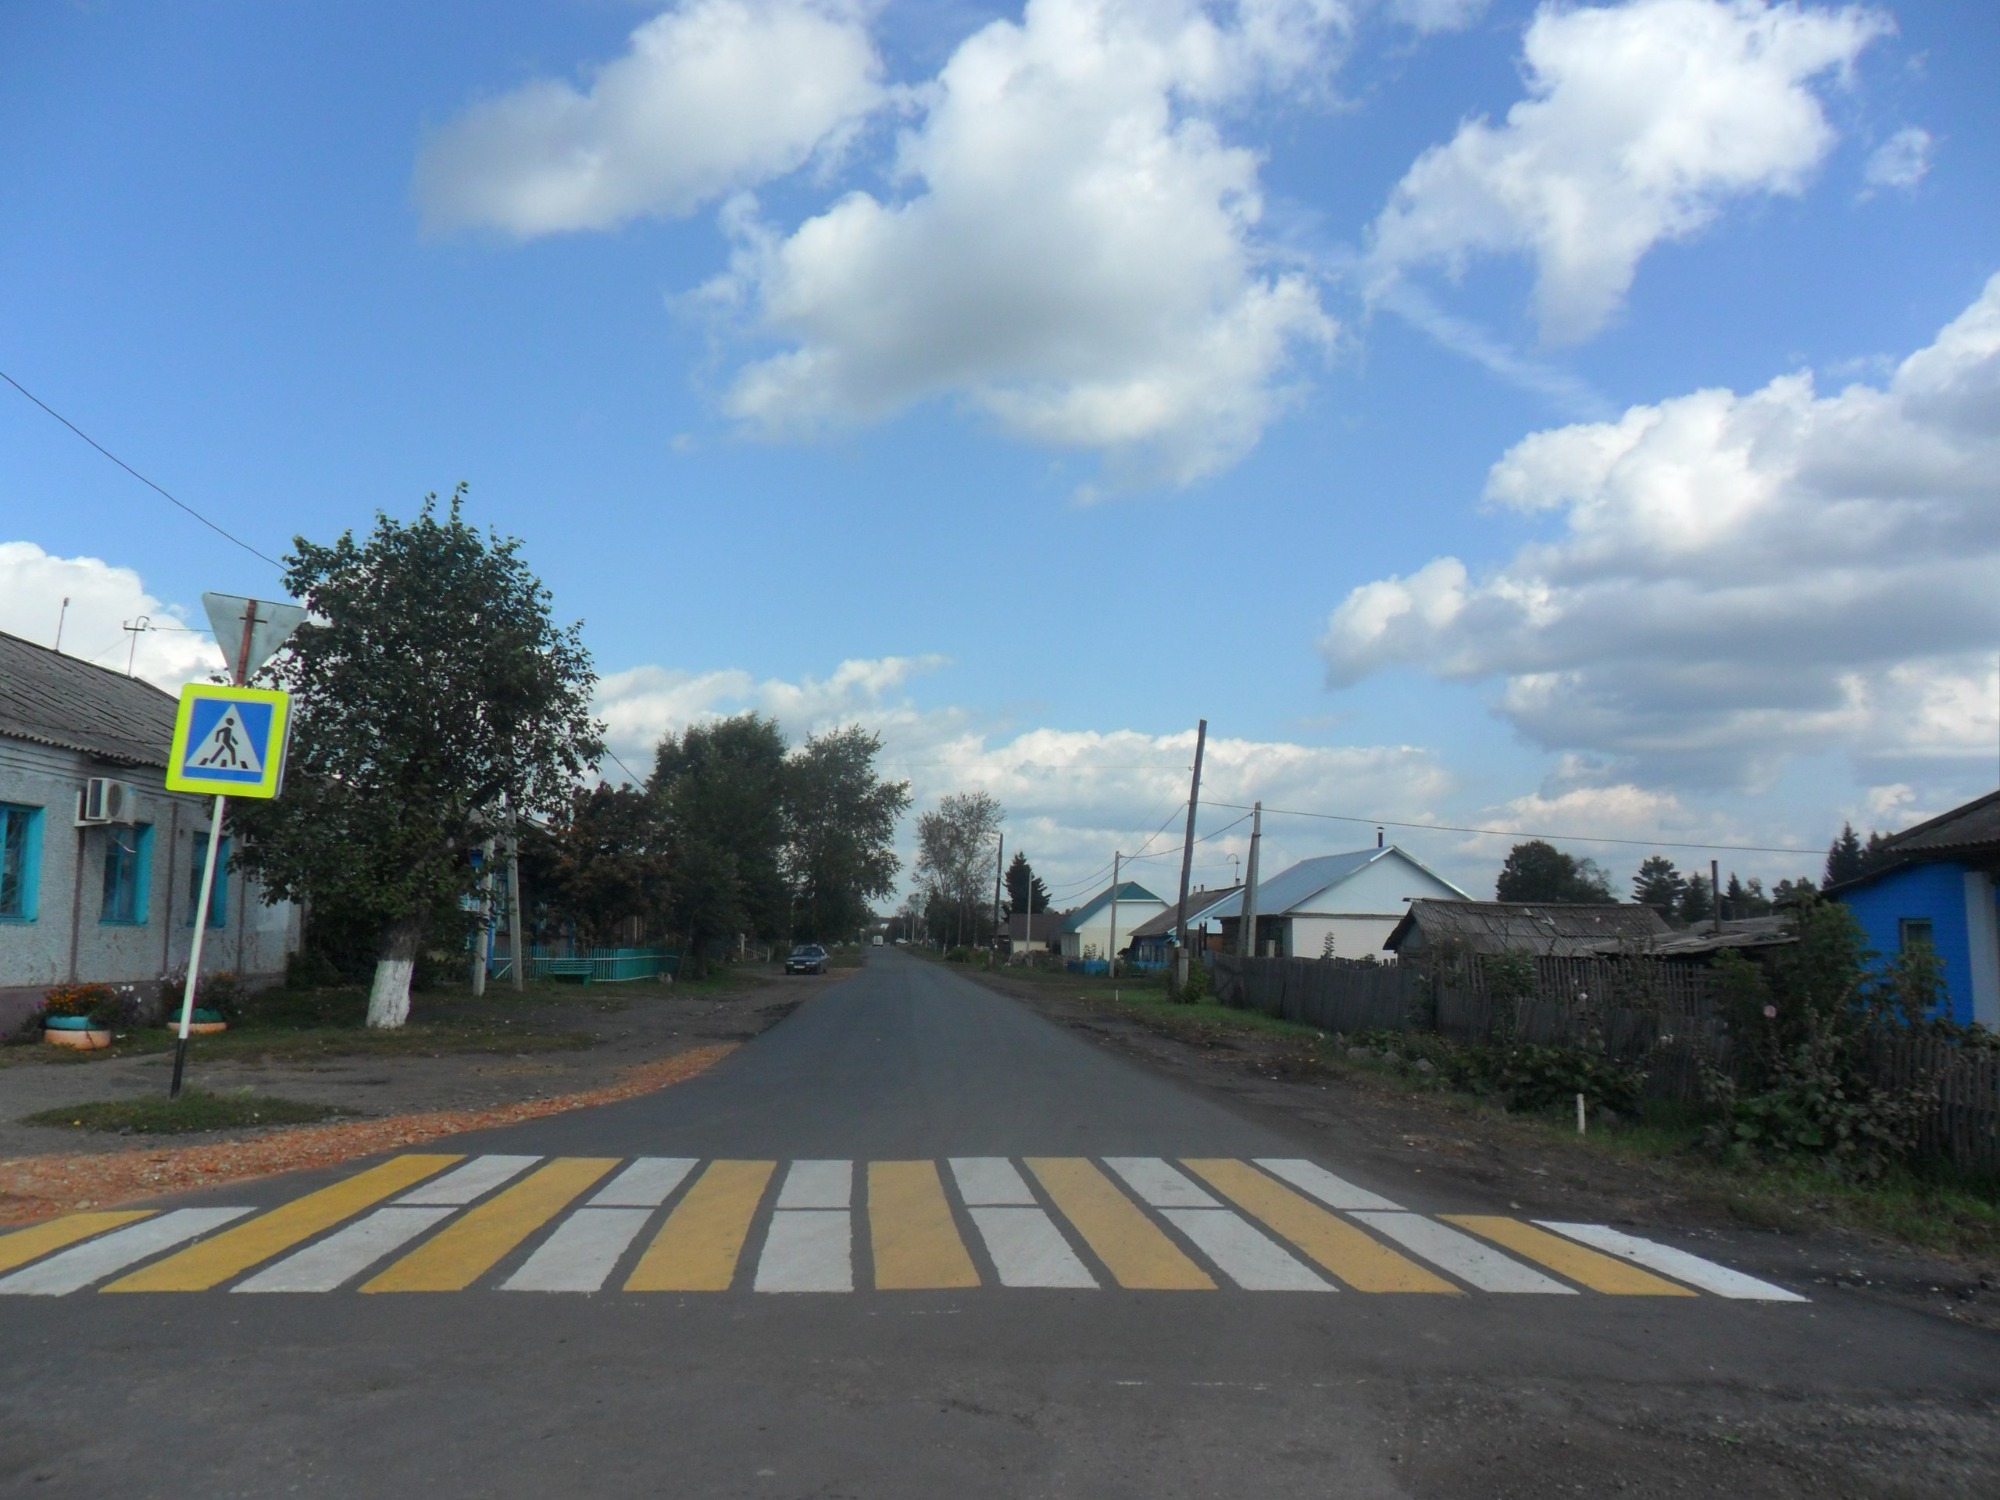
pixel 714 96
pixel 1072 249
pixel 1902 161
pixel 1735 579
pixel 103 600
pixel 1641 122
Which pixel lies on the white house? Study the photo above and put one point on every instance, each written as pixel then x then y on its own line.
pixel 1356 899
pixel 105 893
pixel 1086 932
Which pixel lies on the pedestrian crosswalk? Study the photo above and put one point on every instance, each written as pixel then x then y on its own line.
pixel 443 1223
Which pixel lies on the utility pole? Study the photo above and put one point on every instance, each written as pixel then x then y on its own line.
pixel 999 872
pixel 1112 953
pixel 135 629
pixel 1246 941
pixel 1715 893
pixel 1187 862
pixel 61 616
pixel 484 936
pixel 515 968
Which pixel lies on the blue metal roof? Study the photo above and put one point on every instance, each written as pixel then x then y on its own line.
pixel 1128 890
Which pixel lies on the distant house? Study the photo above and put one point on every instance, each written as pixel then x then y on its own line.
pixel 1935 886
pixel 1152 941
pixel 103 889
pixel 1355 898
pixel 1086 932
pixel 1551 930
pixel 1038 934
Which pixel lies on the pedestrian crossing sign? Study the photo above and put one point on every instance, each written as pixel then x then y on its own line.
pixel 229 740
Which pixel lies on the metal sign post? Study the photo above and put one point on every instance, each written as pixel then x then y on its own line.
pixel 230 741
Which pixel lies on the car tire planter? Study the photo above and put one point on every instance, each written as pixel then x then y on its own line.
pixel 75 1031
pixel 201 1023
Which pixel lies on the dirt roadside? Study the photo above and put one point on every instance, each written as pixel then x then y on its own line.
pixel 616 1044
pixel 1514 1166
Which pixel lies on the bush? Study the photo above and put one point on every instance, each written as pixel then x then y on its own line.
pixel 1537 1077
pixel 310 969
pixel 1200 984
pixel 959 955
pixel 221 992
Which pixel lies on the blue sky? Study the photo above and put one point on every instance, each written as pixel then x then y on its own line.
pixel 1483 414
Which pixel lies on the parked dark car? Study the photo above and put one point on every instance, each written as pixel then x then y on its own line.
pixel 807 958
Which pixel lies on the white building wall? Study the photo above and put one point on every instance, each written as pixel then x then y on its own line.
pixel 1096 933
pixel 1353 937
pixel 1362 910
pixel 68 941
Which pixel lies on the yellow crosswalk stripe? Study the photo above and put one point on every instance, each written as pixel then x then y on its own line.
pixel 24 1245
pixel 1357 1259
pixel 213 1261
pixel 1601 1273
pixel 468 1247
pixel 910 1228
pixel 698 1247
pixel 1132 1248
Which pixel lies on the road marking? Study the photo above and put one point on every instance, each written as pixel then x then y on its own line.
pixel 1336 1245
pixel 78 1266
pixel 698 1247
pixel 1464 1257
pixel 910 1229
pixel 1334 1192
pixel 37 1240
pixel 1157 1184
pixel 1028 1250
pixel 1600 1273
pixel 215 1261
pixel 808 1250
pixel 818 1184
pixel 583 1252
pixel 472 1244
pixel 1132 1248
pixel 990 1181
pixel 342 1256
pixel 1245 1256
pixel 1678 1264
pixel 473 1180
pixel 647 1183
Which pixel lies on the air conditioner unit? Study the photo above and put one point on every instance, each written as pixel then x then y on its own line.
pixel 103 800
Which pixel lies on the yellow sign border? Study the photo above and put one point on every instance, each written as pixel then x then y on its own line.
pixel 274 764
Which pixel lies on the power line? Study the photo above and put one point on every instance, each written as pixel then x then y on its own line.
pixel 134 472
pixel 1521 833
pixel 637 780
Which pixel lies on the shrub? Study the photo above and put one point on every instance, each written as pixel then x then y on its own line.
pixel 310 969
pixel 1200 984
pixel 1535 1077
pixel 958 955
pixel 221 992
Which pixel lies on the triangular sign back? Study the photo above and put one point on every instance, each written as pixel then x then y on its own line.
pixel 271 628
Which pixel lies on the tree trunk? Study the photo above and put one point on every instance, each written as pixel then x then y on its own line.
pixel 389 999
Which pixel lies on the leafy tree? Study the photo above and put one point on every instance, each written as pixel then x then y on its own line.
pixel 1845 858
pixel 722 788
pixel 1659 885
pixel 1740 900
pixel 1538 871
pixel 1025 891
pixel 432 694
pixel 1792 892
pixel 840 827
pixel 1696 903
pixel 954 858
pixel 606 860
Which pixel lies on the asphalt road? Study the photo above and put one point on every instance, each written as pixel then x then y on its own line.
pixel 971 1388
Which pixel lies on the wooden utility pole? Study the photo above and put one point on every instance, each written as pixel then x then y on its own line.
pixel 1246 938
pixel 999 873
pixel 1187 862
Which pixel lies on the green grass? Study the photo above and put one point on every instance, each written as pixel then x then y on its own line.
pixel 195 1110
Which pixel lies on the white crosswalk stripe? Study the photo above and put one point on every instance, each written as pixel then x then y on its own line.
pixel 990 1181
pixel 1678 1264
pixel 1028 1250
pixel 1473 1263
pixel 808 1250
pixel 473 1180
pixel 818 1184
pixel 1158 1184
pixel 77 1268
pixel 1246 1257
pixel 339 1258
pixel 1334 1192
pixel 581 1255
pixel 647 1183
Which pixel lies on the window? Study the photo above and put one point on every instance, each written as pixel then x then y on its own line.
pixel 218 898
pixel 1914 932
pixel 20 852
pixel 127 864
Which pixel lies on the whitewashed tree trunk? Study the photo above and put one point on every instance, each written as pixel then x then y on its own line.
pixel 389 997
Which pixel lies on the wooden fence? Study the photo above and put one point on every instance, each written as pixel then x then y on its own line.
pixel 1661 1016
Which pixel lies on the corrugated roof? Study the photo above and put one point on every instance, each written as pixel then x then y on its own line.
pixel 52 699
pixel 1694 942
pixel 1128 890
pixel 1554 929
pixel 1284 892
pixel 1200 904
pixel 1972 828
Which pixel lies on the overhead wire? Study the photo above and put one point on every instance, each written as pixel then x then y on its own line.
pixel 1519 833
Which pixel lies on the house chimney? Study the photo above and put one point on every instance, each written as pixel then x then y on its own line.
pixel 1378 838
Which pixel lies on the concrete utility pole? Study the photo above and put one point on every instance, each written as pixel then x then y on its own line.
pixel 1187 862
pixel 485 906
pixel 1246 941
pixel 999 874
pixel 1112 954
pixel 517 966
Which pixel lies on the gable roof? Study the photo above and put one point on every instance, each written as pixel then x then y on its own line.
pixel 1200 903
pixel 1128 890
pixel 1551 929
pixel 1289 889
pixel 1973 828
pixel 53 699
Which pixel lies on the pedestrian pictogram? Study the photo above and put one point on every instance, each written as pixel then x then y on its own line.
pixel 229 740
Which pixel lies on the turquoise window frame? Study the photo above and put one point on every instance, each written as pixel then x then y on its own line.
pixel 128 879
pixel 21 834
pixel 218 899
